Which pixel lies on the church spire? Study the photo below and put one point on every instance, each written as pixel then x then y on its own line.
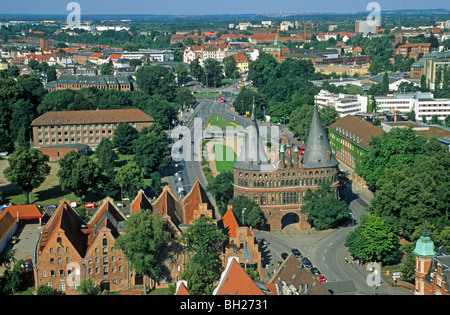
pixel 318 151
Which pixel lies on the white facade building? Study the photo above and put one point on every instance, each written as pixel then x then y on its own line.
pixel 345 104
pixel 423 104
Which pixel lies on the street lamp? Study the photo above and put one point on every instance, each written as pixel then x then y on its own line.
pixel 243 211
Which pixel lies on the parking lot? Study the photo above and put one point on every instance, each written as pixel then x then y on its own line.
pixel 26 234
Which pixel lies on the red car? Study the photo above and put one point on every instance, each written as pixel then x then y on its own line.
pixel 90 205
pixel 322 279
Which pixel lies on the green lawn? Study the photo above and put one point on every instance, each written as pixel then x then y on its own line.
pixel 224 161
pixel 222 123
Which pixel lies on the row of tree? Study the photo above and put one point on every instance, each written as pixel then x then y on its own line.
pixel 410 175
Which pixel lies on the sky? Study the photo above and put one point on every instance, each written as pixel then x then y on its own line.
pixel 201 7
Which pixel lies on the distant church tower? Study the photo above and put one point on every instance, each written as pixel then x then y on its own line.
pixel 424 252
pixel 398 32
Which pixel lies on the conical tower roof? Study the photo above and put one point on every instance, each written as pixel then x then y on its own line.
pixel 318 152
pixel 424 245
pixel 253 155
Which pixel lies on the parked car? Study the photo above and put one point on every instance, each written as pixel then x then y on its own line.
pixel 4 207
pixel 322 279
pixel 27 265
pixel 52 207
pixel 296 253
pixel 90 205
pixel 264 241
pixel 14 240
pixel 306 262
pixel 284 255
pixel 315 271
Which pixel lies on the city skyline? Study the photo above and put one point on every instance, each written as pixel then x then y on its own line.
pixel 205 7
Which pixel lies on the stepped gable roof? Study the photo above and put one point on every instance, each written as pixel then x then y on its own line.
pixel 140 202
pixel 191 202
pixel 168 204
pixel 107 215
pixel 253 155
pixel 229 222
pixel 67 220
pixel 318 152
pixel 236 281
pixel 357 130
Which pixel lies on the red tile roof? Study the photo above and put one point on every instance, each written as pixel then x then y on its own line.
pixel 191 202
pixel 7 222
pixel 168 204
pixel 236 281
pixel 181 288
pixel 141 202
pixel 24 212
pixel 230 223
pixel 92 117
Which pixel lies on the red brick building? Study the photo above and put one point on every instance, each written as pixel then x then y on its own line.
pixel 69 251
pixel 413 50
pixel 83 127
pixel 432 269
pixel 279 186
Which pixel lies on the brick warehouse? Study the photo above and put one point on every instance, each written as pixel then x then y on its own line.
pixel 280 192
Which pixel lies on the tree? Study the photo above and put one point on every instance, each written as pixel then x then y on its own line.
pixel 144 243
pixel 196 69
pixel 107 68
pixel 28 169
pixel 78 174
pixel 375 239
pixel 324 210
pixel 204 242
pixel 105 154
pixel 130 178
pixel 394 149
pixel 229 66
pixel 415 192
pixel 155 79
pixel 222 190
pixel 251 216
pixel 124 136
pixel 150 149
pixel 182 73
pixel 213 73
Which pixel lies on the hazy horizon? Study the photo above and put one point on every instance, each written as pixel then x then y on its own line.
pixel 212 7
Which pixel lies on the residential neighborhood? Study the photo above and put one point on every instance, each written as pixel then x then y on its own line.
pixel 225 154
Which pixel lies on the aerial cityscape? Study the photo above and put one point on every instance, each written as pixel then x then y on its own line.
pixel 225 148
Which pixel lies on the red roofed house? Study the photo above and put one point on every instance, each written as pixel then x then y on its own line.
pixel 25 212
pixel 8 226
pixel 236 281
pixel 196 204
pixel 69 251
pixel 241 62
pixel 84 126
pixel 182 288
pixel 141 202
pixel 241 242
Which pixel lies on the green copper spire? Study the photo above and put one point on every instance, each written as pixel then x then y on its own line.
pixel 424 245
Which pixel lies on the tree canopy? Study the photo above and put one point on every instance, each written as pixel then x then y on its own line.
pixel 27 168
